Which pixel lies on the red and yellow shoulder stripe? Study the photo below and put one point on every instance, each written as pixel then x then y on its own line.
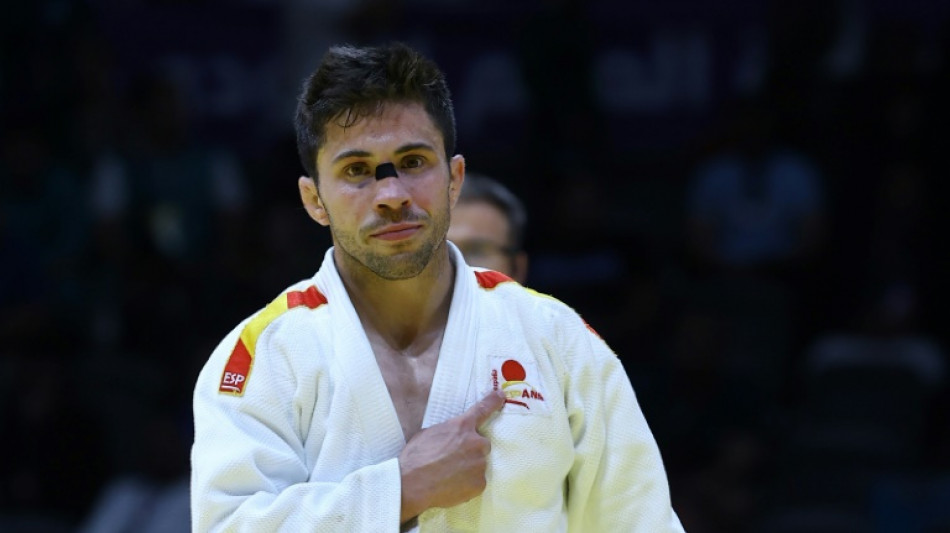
pixel 238 368
pixel 489 279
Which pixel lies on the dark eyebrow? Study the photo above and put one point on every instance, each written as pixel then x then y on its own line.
pixel 414 146
pixel 399 151
pixel 348 154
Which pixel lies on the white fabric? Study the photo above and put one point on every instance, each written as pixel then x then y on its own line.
pixel 312 444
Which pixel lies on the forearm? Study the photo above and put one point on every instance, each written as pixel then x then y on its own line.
pixel 409 506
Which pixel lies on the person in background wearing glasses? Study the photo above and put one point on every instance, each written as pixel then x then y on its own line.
pixel 488 226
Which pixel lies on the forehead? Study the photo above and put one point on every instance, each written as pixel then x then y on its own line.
pixel 393 126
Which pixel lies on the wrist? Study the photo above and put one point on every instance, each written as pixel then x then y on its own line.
pixel 410 504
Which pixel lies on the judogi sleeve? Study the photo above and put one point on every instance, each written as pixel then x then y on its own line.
pixel 249 463
pixel 617 482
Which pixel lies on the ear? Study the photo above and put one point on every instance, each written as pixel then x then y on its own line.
pixel 310 196
pixel 456 178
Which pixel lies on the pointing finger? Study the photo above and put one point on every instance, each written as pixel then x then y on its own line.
pixel 484 408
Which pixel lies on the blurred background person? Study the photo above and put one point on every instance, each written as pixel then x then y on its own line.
pixel 488 225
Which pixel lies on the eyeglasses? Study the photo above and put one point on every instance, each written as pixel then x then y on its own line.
pixel 476 249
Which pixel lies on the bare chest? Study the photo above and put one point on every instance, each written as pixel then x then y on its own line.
pixel 408 378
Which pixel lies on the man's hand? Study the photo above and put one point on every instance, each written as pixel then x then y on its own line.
pixel 444 465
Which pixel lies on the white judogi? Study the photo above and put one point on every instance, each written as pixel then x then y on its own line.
pixel 311 442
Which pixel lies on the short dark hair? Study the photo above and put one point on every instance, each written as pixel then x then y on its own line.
pixel 481 188
pixel 353 82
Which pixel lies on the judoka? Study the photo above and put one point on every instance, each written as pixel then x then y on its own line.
pixel 399 389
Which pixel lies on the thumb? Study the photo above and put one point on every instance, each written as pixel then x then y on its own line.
pixel 484 408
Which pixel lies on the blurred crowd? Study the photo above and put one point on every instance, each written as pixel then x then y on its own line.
pixel 743 198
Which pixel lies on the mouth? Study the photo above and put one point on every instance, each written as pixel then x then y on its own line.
pixel 396 232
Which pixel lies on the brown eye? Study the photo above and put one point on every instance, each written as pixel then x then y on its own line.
pixel 356 170
pixel 413 161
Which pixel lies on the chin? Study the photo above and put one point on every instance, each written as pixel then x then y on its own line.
pixel 400 266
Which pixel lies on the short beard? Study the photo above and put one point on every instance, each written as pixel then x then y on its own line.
pixel 394 268
pixel 400 266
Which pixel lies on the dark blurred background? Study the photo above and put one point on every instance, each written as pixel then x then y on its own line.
pixel 743 197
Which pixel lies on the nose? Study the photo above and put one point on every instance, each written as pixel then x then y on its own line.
pixel 391 194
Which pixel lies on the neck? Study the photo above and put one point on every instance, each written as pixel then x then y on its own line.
pixel 402 311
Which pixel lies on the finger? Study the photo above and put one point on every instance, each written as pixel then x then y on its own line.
pixel 484 408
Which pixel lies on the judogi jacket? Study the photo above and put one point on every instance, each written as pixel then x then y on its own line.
pixel 295 429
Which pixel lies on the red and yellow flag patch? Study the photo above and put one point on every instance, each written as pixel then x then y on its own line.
pixel 238 368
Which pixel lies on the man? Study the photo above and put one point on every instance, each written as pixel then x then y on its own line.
pixel 488 227
pixel 398 388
